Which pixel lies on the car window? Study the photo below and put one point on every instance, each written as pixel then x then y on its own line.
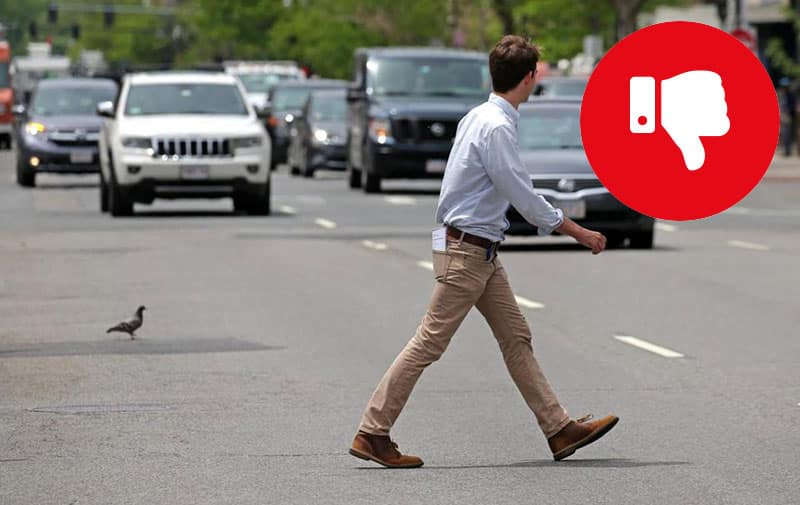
pixel 205 98
pixel 550 129
pixel 70 100
pixel 5 81
pixel 428 76
pixel 563 88
pixel 262 82
pixel 289 98
pixel 329 109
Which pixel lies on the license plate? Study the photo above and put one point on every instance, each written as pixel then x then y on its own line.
pixel 194 172
pixel 573 209
pixel 435 166
pixel 80 157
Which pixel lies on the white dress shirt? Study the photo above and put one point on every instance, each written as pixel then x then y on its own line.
pixel 484 174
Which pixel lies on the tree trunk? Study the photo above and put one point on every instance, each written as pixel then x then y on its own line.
pixel 626 12
pixel 504 11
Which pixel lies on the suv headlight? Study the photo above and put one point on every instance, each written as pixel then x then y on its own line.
pixel 137 142
pixel 33 128
pixel 380 130
pixel 320 135
pixel 245 142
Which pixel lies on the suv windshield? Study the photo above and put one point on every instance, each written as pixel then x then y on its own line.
pixel 289 98
pixel 150 99
pixel 550 129
pixel 428 76
pixel 329 109
pixel 70 100
pixel 262 82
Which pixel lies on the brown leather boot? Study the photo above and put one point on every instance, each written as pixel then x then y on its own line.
pixel 579 433
pixel 381 450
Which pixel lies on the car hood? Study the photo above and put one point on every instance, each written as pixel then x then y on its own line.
pixel 544 162
pixel 182 125
pixel 422 106
pixel 86 122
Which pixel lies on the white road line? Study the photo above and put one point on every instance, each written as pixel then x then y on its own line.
pixel 287 210
pixel 666 227
pixel 325 223
pixel 528 304
pixel 648 346
pixel 378 246
pixel 764 212
pixel 747 245
pixel 401 200
pixel 427 265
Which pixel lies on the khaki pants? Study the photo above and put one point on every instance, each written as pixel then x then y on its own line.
pixel 465 278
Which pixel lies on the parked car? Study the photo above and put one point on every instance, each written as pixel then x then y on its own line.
pixel 560 87
pixel 58 132
pixel 404 107
pixel 286 101
pixel 258 77
pixel 318 135
pixel 183 135
pixel 551 148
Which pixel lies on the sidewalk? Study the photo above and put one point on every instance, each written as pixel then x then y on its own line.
pixel 783 168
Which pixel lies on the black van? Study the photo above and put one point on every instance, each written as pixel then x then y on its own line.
pixel 404 105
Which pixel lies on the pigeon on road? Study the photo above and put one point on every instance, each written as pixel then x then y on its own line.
pixel 131 325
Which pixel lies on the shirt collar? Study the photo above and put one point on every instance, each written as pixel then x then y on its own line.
pixel 505 106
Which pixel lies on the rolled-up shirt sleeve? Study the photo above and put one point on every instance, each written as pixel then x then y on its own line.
pixel 511 179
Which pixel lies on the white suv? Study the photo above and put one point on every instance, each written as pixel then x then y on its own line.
pixel 183 135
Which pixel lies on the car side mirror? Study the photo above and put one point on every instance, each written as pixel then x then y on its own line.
pixel 106 109
pixel 355 94
pixel 19 110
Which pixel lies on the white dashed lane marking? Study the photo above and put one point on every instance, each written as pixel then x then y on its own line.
pixel 427 265
pixel 287 210
pixel 378 246
pixel 401 200
pixel 528 304
pixel 747 245
pixel 325 223
pixel 666 227
pixel 648 346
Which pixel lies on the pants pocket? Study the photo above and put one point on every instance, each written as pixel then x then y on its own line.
pixel 441 263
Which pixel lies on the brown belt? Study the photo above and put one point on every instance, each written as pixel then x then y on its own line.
pixel 469 238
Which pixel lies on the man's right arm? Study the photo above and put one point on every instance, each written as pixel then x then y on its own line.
pixel 595 241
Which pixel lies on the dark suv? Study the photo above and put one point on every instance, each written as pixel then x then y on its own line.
pixel 404 107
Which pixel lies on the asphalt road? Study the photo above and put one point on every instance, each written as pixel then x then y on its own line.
pixel 264 337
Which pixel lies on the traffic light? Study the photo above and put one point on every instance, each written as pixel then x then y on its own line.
pixel 52 13
pixel 33 30
pixel 108 16
pixel 75 31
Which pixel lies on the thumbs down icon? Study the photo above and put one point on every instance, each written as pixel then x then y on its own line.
pixel 692 106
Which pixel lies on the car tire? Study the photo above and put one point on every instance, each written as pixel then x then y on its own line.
pixel 26 176
pixel 353 176
pixel 260 203
pixel 614 240
pixel 370 182
pixel 642 240
pixel 308 170
pixel 103 193
pixel 118 204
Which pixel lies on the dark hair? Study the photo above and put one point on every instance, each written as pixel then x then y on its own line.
pixel 510 60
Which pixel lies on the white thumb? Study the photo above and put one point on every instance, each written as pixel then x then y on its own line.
pixel 694 154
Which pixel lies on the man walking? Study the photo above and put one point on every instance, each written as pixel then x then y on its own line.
pixel 483 175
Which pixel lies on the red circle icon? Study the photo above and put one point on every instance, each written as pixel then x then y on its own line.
pixel 680 121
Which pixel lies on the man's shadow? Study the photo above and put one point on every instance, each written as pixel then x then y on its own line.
pixel 549 463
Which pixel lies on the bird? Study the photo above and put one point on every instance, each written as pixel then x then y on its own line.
pixel 131 325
